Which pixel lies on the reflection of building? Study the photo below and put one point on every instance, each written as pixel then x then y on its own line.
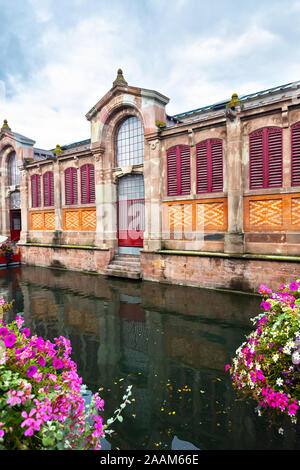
pixel 206 197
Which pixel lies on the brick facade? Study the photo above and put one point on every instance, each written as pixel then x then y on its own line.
pixel 229 219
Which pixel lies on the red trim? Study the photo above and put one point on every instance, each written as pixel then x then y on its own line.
pixel 295 154
pixel 178 170
pixel 48 182
pixel 87 184
pixel 35 191
pixel 209 166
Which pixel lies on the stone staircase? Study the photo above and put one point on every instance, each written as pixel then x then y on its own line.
pixel 127 266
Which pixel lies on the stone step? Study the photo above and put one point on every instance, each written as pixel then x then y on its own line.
pixel 130 274
pixel 124 262
pixel 127 266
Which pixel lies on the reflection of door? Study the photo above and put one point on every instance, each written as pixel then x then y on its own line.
pixel 131 211
pixel 15 224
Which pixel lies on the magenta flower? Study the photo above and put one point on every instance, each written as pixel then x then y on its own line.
pixel 26 332
pixel 42 361
pixel 293 286
pixel 10 340
pixel 3 331
pixel 19 321
pixel 32 370
pixel 57 364
pixel 14 397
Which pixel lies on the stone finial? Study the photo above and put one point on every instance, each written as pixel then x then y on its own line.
pixel 234 101
pixel 5 126
pixel 120 80
pixel 58 150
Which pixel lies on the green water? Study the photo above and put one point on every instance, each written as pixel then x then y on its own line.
pixel 170 343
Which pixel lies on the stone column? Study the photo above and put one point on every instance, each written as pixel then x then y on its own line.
pixel 57 200
pixel 234 238
pixel 25 205
pixel 106 230
pixel 153 191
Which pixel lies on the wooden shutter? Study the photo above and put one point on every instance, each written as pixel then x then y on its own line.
pixel 295 158
pixel 71 191
pixel 87 184
pixel 274 157
pixel 256 159
pixel 48 181
pixel 216 165
pixel 209 166
pixel 35 191
pixel 178 170
pixel 172 172
pixel 265 159
pixel 185 169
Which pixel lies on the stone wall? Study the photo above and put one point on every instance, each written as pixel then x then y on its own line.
pixel 60 256
pixel 219 271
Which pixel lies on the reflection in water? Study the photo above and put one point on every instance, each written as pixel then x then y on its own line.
pixel 171 343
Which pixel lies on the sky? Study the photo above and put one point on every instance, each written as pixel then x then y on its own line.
pixel 59 57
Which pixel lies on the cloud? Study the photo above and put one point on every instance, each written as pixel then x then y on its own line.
pixel 59 61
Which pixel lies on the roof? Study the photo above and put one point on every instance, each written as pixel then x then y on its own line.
pixel 222 104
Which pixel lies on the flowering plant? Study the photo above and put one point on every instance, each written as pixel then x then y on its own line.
pixel 6 248
pixel 267 366
pixel 41 395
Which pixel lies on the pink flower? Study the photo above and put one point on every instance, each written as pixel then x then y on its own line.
pixel 42 361
pixel 10 340
pixel 14 397
pixel 19 321
pixel 57 364
pixel 32 370
pixel 26 332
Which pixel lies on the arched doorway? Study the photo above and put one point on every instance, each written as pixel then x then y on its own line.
pixel 129 146
pixel 15 216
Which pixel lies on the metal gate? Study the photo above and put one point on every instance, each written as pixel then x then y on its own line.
pixel 131 211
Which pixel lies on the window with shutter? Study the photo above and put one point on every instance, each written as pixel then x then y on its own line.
pixel 178 170
pixel 71 191
pixel 265 161
pixel 87 184
pixel 35 191
pixel 48 180
pixel 209 166
pixel 295 148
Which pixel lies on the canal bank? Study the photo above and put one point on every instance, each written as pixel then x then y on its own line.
pixel 238 272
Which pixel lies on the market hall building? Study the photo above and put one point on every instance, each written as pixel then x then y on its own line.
pixel 207 198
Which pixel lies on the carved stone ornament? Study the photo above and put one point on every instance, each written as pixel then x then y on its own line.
pixel 127 170
pixel 154 144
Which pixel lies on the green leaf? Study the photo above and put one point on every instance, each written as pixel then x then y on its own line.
pixel 120 418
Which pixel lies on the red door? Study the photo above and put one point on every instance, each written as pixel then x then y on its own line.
pixel 131 211
pixel 15 225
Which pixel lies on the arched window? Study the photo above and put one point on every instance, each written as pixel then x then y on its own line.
pixel 13 170
pixel 129 143
pixel 71 191
pixel 265 158
pixel 35 191
pixel 87 184
pixel 209 166
pixel 179 170
pixel 48 181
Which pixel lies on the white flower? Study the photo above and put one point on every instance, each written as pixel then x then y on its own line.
pixel 279 382
pixel 280 430
pixel 275 357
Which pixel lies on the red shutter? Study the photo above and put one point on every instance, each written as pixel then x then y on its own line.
pixel 71 192
pixel 35 191
pixel 84 188
pixel 209 166
pixel 256 159
pixel 274 157
pixel 68 189
pixel 172 172
pixel 216 165
pixel 185 169
pixel 87 184
pixel 91 177
pixel 295 145
pixel 48 181
pixel 202 167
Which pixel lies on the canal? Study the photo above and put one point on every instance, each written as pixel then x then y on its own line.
pixel 171 343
